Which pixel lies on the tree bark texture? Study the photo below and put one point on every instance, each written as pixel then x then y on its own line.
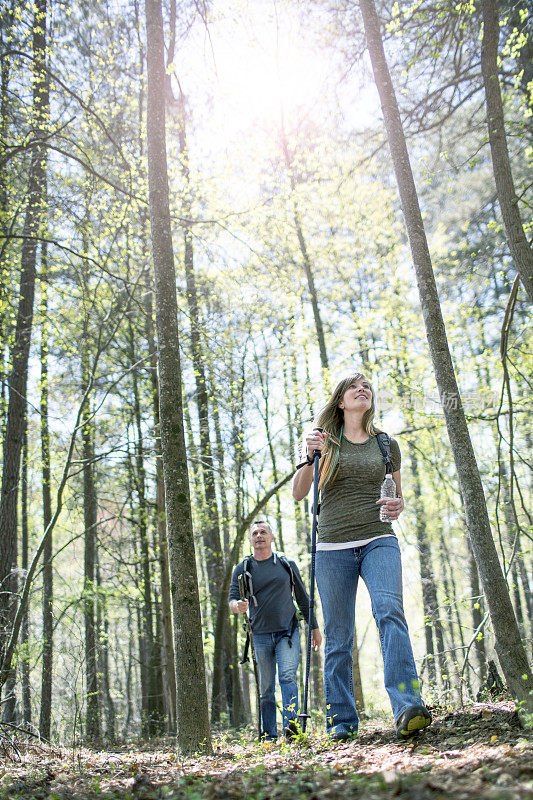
pixel 25 629
pixel 45 717
pixel 192 717
pixel 21 347
pixel 432 622
pixel 168 663
pixel 90 513
pixel 508 644
pixel 519 247
pixel 153 711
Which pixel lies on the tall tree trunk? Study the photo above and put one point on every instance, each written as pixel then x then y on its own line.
pixel 153 710
pixel 7 16
pixel 264 380
pixel 168 664
pixel 225 516
pixel 509 647
pixel 513 540
pixel 192 720
pixel 45 718
pixel 128 675
pixel 477 615
pixel 520 249
pixel 425 576
pixel 103 658
pixel 21 347
pixel 432 622
pixel 25 629
pixel 211 529
pixel 317 673
pixel 90 512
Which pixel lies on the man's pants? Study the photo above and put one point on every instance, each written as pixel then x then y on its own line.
pixel 279 649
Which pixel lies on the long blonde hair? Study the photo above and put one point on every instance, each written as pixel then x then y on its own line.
pixel 331 419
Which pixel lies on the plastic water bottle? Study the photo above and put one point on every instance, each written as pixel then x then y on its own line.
pixel 388 489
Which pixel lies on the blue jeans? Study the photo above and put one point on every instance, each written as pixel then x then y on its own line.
pixel 337 576
pixel 283 650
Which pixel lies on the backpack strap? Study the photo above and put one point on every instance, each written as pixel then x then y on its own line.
pixel 286 563
pixel 384 446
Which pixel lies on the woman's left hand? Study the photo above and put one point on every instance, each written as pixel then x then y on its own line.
pixel 393 506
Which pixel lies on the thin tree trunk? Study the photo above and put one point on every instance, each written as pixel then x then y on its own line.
pixel 25 629
pixel 509 647
pixel 225 518
pixel 192 720
pixel 21 347
pixel 308 268
pixel 264 382
pixel 450 589
pixel 519 247
pixel 433 624
pixel 128 676
pixel 169 668
pixel 425 577
pixel 103 657
pixel 240 713
pixel 45 718
pixel 92 718
pixel 477 615
pixel 7 16
pixel 153 710
pixel 317 685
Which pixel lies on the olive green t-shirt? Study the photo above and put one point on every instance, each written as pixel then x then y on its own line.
pixel 348 510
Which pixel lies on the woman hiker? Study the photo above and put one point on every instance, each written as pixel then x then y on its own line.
pixel 353 542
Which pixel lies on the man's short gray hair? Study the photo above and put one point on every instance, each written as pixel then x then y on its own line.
pixel 260 521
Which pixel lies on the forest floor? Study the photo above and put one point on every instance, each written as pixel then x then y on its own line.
pixel 477 752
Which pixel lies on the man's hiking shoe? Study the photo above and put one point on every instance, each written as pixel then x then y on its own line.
pixel 413 720
pixel 343 736
pixel 291 731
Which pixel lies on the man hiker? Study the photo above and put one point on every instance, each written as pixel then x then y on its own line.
pixel 270 579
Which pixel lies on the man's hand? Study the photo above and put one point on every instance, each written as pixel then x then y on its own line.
pixel 239 606
pixel 316 638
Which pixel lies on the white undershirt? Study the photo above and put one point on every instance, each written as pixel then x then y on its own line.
pixel 348 545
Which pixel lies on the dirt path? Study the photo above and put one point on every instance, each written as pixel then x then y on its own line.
pixel 480 752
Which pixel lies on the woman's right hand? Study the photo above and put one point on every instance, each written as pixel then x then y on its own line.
pixel 315 440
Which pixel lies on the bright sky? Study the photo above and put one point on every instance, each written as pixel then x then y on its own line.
pixel 258 58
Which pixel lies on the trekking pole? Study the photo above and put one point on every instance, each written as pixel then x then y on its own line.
pixel 304 716
pixel 254 660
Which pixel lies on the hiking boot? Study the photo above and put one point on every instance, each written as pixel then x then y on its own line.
pixel 291 731
pixel 413 720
